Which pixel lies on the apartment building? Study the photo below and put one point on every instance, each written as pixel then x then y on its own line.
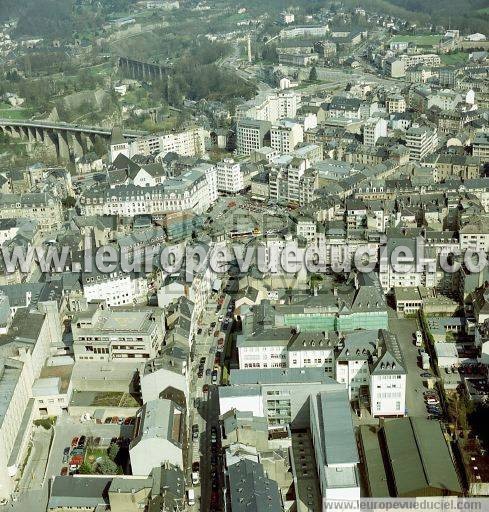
pixel 270 107
pixel 190 142
pixel 474 234
pixel 116 288
pixel 274 347
pixel 421 141
pixel 290 181
pixel 285 136
pixel 192 190
pixel 480 146
pixel 39 206
pixel 103 334
pixel 373 129
pixel 20 365
pixel 251 135
pixel 372 362
pixel 396 104
pixel 401 265
pixel 230 178
pixel 280 395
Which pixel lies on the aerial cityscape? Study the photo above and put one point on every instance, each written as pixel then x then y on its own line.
pixel 244 255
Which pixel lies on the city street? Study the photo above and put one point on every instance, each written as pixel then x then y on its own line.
pixel 404 329
pixel 207 402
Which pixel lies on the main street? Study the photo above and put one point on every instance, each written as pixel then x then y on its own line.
pixel 205 404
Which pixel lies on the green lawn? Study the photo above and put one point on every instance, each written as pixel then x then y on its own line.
pixel 455 58
pixel 421 40
pixel 14 113
pixel 114 399
pixel 484 10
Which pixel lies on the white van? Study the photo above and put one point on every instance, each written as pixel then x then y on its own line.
pixel 419 338
pixel 191 497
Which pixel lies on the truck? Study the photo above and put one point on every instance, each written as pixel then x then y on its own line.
pixel 191 497
pixel 425 361
pixel 419 338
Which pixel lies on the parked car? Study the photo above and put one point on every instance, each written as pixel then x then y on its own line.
pixel 66 454
pixel 205 388
pixel 426 375
pixel 195 431
pixel 199 331
pixel 214 377
pixel 74 442
pixel 208 372
pixel 213 435
pixel 432 401
pixel 64 471
pixel 196 466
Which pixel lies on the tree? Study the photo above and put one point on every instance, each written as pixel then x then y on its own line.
pixel 106 467
pixel 313 74
pixel 113 451
pixel 85 469
pixel 69 202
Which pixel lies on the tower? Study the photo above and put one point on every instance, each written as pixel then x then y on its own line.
pixel 249 49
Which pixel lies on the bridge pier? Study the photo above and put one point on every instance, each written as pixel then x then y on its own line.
pixel 40 135
pixel 63 147
pixel 78 144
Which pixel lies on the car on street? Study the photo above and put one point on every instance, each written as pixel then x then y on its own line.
pixel 195 431
pixel 205 388
pixel 208 372
pixel 214 377
pixel 199 331
pixel 74 442
pixel 432 401
pixel 426 375
pixel 64 471
pixel 214 498
pixel 66 454
pixel 213 435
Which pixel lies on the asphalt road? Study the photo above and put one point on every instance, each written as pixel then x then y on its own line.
pixel 207 413
pixel 404 329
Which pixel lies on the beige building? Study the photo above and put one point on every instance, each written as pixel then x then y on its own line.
pixel 102 334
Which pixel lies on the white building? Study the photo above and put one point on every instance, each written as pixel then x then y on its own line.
pixel 421 141
pixel 286 18
pixel 117 288
pixel 190 142
pixel 230 178
pixel 373 129
pixel 401 264
pixel 101 334
pixel 270 107
pixel 285 136
pixel 335 446
pixel 158 437
pixel 194 190
pixel 280 348
pixel 372 361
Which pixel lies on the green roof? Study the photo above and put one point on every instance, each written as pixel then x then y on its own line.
pixel 374 464
pixel 420 457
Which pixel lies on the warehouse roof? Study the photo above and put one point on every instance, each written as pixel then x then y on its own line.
pixel 419 457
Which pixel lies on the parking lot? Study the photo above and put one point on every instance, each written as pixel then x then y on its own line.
pixel 67 428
